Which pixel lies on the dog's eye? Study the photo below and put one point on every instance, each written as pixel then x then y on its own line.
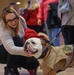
pixel 33 42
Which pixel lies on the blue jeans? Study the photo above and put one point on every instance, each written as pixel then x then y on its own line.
pixel 52 33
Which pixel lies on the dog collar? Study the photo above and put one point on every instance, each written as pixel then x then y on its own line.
pixel 44 53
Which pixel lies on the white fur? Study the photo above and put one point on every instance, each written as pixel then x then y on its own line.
pixel 36 46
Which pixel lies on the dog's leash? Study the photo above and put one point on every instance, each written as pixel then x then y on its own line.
pixel 51 43
pixel 61 30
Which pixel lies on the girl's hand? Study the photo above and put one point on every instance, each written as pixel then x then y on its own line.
pixel 27 54
pixel 39 22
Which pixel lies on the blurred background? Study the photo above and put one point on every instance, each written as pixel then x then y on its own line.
pixel 21 3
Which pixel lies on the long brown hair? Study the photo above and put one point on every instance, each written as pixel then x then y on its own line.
pixel 6 11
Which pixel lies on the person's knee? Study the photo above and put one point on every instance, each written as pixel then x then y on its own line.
pixel 33 62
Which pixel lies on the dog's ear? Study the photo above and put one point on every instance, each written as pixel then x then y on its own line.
pixel 44 39
pixel 43 36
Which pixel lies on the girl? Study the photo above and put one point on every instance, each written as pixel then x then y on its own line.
pixel 11 46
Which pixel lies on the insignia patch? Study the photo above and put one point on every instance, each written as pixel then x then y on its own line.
pixel 67 50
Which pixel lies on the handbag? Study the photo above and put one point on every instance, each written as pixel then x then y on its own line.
pixel 65 7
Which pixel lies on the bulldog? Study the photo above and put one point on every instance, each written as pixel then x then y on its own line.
pixel 52 59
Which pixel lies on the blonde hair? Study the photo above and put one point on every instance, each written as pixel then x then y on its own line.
pixel 6 11
pixel 33 4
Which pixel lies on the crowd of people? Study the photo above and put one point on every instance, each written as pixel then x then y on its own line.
pixel 48 12
pixel 42 17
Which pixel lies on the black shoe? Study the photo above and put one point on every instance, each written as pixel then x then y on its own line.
pixel 10 71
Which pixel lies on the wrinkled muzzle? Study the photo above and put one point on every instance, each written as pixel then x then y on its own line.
pixel 33 46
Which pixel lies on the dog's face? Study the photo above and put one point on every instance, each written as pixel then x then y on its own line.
pixel 33 46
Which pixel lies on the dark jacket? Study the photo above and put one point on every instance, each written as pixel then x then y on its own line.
pixel 52 19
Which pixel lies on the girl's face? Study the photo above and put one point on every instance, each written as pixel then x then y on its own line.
pixel 12 20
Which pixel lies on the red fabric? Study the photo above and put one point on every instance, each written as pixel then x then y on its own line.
pixel 31 17
pixel 29 33
pixel 32 72
pixel 43 8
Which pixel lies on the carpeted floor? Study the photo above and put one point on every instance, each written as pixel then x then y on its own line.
pixel 68 71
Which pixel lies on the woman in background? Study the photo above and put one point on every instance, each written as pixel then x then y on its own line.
pixel 31 16
pixel 67 21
